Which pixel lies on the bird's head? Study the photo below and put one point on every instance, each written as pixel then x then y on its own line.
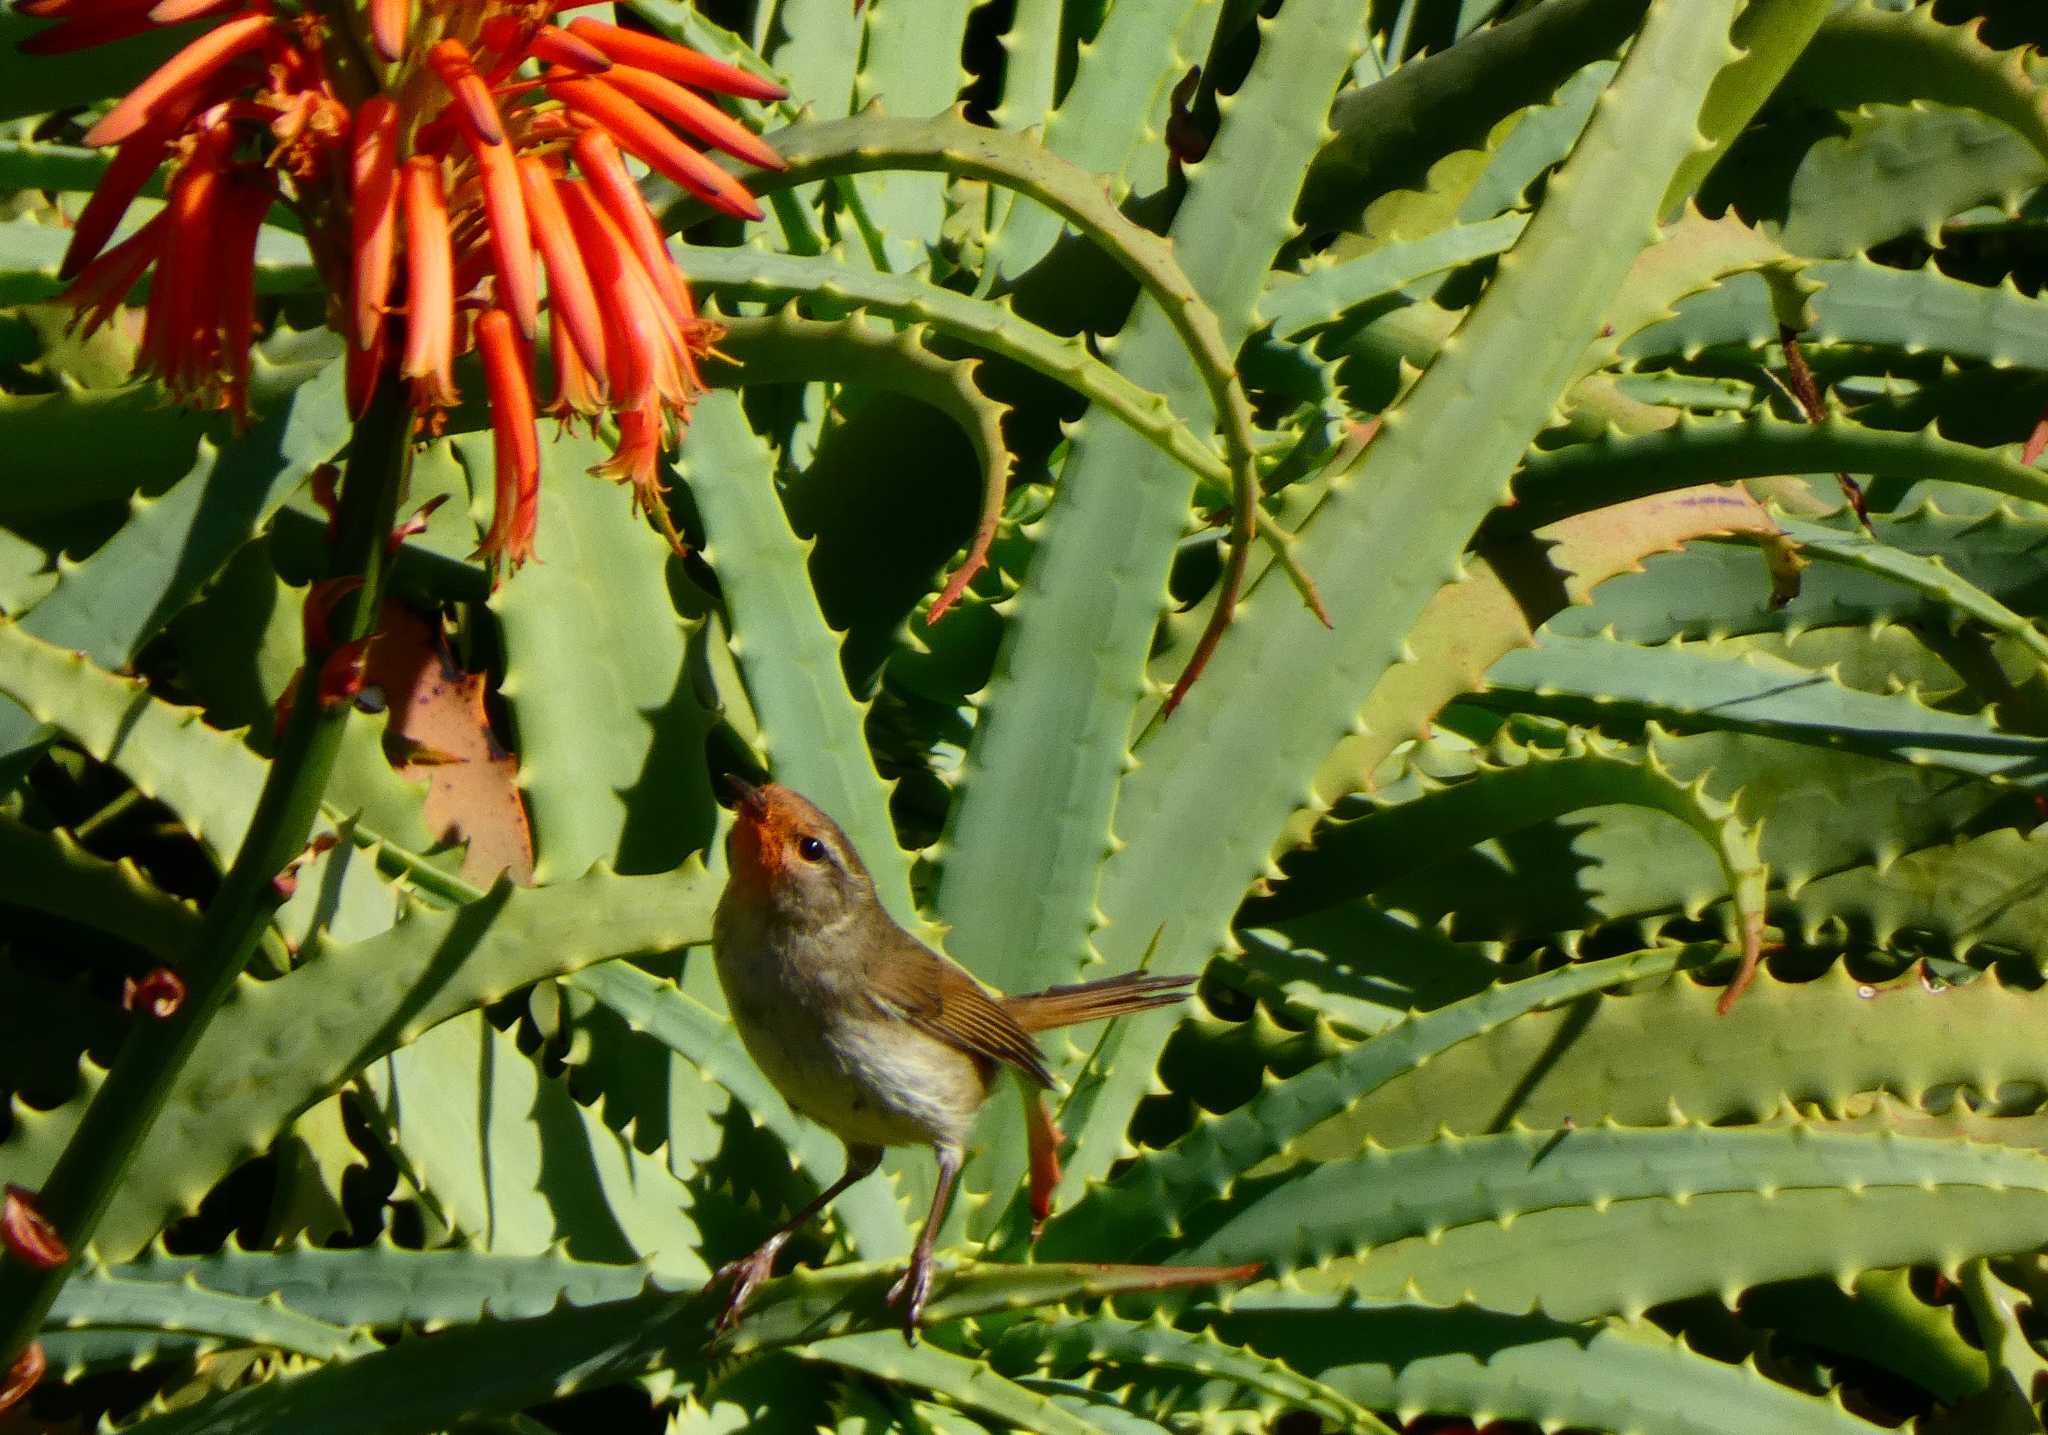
pixel 788 856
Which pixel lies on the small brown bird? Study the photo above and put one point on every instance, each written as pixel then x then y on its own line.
pixel 863 1028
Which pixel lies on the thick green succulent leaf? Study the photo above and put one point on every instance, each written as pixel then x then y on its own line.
pixel 505 1365
pixel 811 726
pixel 1870 53
pixel 988 324
pixel 1509 1220
pixel 610 733
pixel 903 68
pixel 1387 135
pixel 1323 296
pixel 1616 467
pixel 1145 1204
pixel 514 1162
pixel 383 1285
pixel 1715 588
pixel 127 590
pixel 1860 302
pixel 1965 893
pixel 1926 575
pixel 52 872
pixel 1039 781
pixel 97 1298
pixel 1822 1043
pixel 1414 1358
pixel 964 1382
pixel 78 446
pixel 1879 1318
pixel 1902 171
pixel 1720 685
pixel 1438 463
pixel 278 1046
pixel 855 351
pixel 1772 34
pixel 1092 1342
pixel 1514 787
pixel 1118 97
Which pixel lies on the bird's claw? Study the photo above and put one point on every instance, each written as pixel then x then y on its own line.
pixel 911 1290
pixel 744 1275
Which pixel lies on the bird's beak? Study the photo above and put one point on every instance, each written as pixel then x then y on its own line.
pixel 743 793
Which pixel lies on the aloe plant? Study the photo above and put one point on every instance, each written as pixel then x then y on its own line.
pixel 1511 536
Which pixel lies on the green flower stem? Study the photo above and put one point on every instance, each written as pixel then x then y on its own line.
pixel 94 1163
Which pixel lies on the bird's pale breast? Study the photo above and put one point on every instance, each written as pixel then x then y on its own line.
pixel 867 1077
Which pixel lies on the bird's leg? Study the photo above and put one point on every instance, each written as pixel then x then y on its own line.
pixel 916 1282
pixel 749 1271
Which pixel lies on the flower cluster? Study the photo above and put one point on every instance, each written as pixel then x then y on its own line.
pixel 445 157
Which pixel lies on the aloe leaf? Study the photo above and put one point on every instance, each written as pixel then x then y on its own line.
pixel 1540 139
pixel 1867 53
pixel 1039 783
pixel 948 144
pixel 1859 302
pixel 967 1383
pixel 1902 171
pixel 903 68
pixel 383 1285
pixel 1772 34
pixel 1515 787
pixel 1031 58
pixel 1090 1342
pixel 1118 97
pixel 512 1160
pixel 811 725
pixel 127 590
pixel 1880 1318
pixel 1145 1204
pixel 1709 685
pixel 83 445
pixel 1715 587
pixel 1962 893
pixel 96 1298
pixel 988 324
pixel 1825 1042
pixel 278 1046
pixel 1508 591
pixel 51 872
pixel 1386 135
pixel 1409 1356
pixel 1298 305
pixel 423 1385
pixel 610 733
pixel 1737 1208
pixel 1439 462
pixel 1584 476
pixel 789 348
pixel 1925 575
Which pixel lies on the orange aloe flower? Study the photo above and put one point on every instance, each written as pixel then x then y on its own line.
pixel 481 186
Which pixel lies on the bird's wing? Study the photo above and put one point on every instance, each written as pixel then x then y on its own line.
pixel 917 985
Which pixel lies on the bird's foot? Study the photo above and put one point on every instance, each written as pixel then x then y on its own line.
pixel 743 1275
pixel 910 1291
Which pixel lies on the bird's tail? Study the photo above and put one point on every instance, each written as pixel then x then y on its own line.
pixel 1093 1001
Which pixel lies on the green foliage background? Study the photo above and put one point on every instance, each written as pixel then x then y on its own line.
pixel 1479 297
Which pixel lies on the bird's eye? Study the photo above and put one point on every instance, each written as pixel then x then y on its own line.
pixel 810 849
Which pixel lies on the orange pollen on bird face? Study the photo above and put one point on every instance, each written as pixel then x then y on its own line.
pixel 760 841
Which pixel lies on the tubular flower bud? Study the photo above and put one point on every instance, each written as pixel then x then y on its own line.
pixel 515 450
pixel 462 195
pixel 429 285
pixel 373 214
